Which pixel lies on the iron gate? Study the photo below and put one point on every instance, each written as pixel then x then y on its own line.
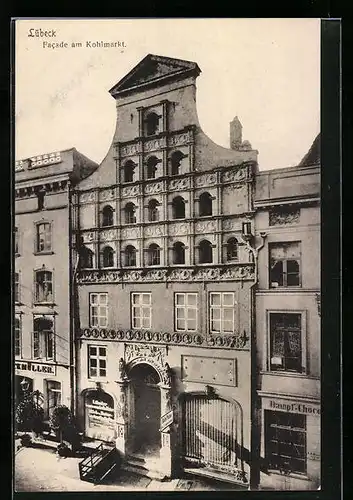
pixel 211 434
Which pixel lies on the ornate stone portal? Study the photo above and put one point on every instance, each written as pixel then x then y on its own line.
pixel 155 356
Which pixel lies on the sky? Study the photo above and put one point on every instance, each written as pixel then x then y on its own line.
pixel 265 71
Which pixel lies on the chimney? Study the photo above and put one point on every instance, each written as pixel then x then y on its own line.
pixel 235 133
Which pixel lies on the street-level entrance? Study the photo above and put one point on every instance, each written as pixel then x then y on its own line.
pixel 146 403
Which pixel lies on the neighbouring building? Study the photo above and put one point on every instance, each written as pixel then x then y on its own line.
pixel 165 284
pixel 43 334
pixel 287 203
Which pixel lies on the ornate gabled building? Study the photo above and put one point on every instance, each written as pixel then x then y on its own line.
pixel 287 203
pixel 43 333
pixel 165 283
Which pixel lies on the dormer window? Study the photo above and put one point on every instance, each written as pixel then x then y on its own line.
pixel 152 124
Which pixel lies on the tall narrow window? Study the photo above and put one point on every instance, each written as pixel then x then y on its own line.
pixel 43 286
pixel 205 204
pixel 107 257
pixel 232 249
pixel 130 217
pixel 152 124
pixel 97 361
pixel 222 312
pixel 178 253
pixel 43 338
pixel 43 237
pixel 153 210
pixel 130 256
pixel 141 310
pixel 178 208
pixel 284 264
pixel 16 246
pixel 153 254
pixel 175 161
pixel 129 171
pixel 107 216
pixel 17 287
pixel 53 396
pixel 86 258
pixel 152 167
pixel 285 441
pixel 286 342
pixel 185 312
pixel 98 310
pixel 18 337
pixel 40 199
pixel 205 252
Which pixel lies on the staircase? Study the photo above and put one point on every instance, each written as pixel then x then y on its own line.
pixel 143 466
pixel 99 464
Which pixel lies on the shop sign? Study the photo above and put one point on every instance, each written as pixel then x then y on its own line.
pixel 166 420
pixel 313 456
pixel 29 366
pixel 291 407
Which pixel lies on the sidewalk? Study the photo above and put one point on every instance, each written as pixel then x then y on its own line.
pixel 39 469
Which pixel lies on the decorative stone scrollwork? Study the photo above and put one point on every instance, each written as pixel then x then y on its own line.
pixel 179 139
pixel 129 233
pixel 154 144
pixel 134 336
pixel 166 375
pixel 150 353
pixel 154 230
pixel 283 215
pixel 232 225
pixel 208 226
pixel 206 180
pixel 107 194
pixel 179 184
pixel 154 188
pixel 235 174
pixel 122 369
pixel 88 197
pixel 175 229
pixel 130 191
pixel 129 149
pixel 107 235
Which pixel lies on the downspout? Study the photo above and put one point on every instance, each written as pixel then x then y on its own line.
pixel 72 274
pixel 254 439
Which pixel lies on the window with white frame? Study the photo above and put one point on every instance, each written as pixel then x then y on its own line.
pixel 43 338
pixel 98 310
pixel 141 310
pixel 53 396
pixel 286 342
pixel 43 237
pixel 18 336
pixel 285 441
pixel 284 264
pixel 221 312
pixel 97 361
pixel 185 307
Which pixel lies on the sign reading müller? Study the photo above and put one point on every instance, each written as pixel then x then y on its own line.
pixel 292 407
pixel 28 366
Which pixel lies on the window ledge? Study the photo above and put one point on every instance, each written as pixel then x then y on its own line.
pixel 281 288
pixel 45 252
pixel 48 304
pixel 293 475
pixel 287 374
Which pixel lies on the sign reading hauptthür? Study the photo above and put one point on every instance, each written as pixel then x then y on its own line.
pixel 166 420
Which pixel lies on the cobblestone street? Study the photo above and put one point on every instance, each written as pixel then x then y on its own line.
pixel 39 469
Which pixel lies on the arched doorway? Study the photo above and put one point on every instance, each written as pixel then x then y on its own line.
pixel 146 401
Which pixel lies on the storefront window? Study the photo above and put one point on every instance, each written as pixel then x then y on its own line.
pixel 285 437
pixel 53 396
pixel 100 419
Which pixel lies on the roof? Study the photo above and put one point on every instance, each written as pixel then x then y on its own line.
pixel 154 70
pixel 313 156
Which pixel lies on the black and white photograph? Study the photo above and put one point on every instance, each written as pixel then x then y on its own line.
pixel 166 255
